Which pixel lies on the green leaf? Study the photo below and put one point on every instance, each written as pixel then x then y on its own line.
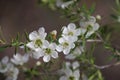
pixel 2 48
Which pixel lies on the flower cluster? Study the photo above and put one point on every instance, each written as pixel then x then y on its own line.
pixel 69 36
pixel 40 47
pixel 90 25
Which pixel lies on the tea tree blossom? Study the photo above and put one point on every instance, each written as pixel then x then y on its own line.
pixel 89 24
pixel 49 51
pixel 37 39
pixel 71 73
pixel 70 32
pixel 18 59
pixel 37 42
pixel 3 64
pixel 65 45
pixel 11 73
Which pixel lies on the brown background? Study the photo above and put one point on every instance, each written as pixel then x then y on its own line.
pixel 26 15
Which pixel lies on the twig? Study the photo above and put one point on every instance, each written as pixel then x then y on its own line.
pixel 100 37
pixel 107 66
pixel 92 40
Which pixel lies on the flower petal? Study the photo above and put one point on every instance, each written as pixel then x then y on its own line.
pixel 76 74
pixel 66 51
pixel 5 60
pixel 70 57
pixel 71 26
pixel 75 65
pixel 33 35
pixel 46 58
pixel 42 33
pixel 59 48
pixel 54 54
pixel 30 45
pixel 63 78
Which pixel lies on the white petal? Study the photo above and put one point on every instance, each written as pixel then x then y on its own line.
pixel 72 45
pixel 68 72
pixel 45 44
pixel 65 30
pixel 92 19
pixel 30 45
pixel 82 31
pixel 68 64
pixel 76 74
pixel 41 30
pixel 75 65
pixel 70 57
pixel 96 27
pixel 5 60
pixel 33 35
pixel 77 32
pixel 59 48
pixel 89 34
pixel 39 53
pixel 54 54
pixel 42 33
pixel 71 26
pixel 52 46
pixel 61 40
pixel 26 57
pixel 63 78
pixel 14 61
pixel 46 58
pixel 66 51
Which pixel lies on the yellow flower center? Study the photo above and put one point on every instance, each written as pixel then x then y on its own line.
pixel 71 78
pixel 47 50
pixel 70 33
pixel 38 43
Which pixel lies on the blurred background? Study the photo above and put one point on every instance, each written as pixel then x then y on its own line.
pixel 27 15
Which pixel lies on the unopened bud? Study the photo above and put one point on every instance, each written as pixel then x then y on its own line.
pixel 54 33
pixel 98 17
pixel 38 63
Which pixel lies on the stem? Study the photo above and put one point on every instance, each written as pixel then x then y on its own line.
pixel 107 66
pixel 100 37
pixel 92 40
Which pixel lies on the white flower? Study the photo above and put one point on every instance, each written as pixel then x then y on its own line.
pixel 3 64
pixel 37 39
pixel 63 5
pixel 49 51
pixel 18 59
pixel 65 45
pixel 71 33
pixel 37 42
pixel 8 69
pixel 70 71
pixel 70 75
pixel 77 52
pixel 12 72
pixel 89 24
